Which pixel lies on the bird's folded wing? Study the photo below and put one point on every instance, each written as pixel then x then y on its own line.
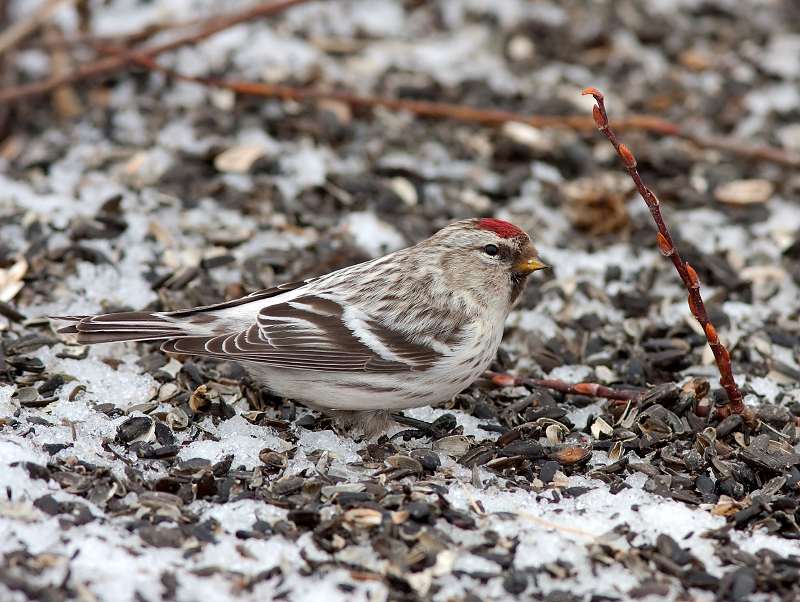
pixel 145 326
pixel 315 333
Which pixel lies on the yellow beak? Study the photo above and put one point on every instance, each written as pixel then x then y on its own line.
pixel 528 266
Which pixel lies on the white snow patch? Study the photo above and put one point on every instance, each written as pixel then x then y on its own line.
pixel 372 234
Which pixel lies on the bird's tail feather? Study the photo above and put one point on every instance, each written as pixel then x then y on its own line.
pixel 123 326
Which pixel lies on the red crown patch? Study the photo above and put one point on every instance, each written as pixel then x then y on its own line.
pixel 499 227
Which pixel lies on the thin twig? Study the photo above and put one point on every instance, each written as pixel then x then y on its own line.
pixel 107 446
pixel 8 76
pixel 490 117
pixel 595 390
pixel 25 26
pixel 685 271
pixel 432 109
pixel 110 64
pixel 84 11
pixel 756 152
pixel 65 99
pixel 475 506
pixel 547 523
pixel 94 40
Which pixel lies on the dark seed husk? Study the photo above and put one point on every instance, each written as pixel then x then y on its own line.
pixel 477 456
pixel 101 492
pixel 161 537
pixel 190 467
pixel 26 363
pixel 28 343
pixel 51 385
pixel 158 499
pixel 532 450
pixel 307 519
pixel 548 471
pixel 428 458
pixel 515 582
pixel 760 460
pixel 775 415
pixel 164 434
pixel 508 437
pixel 138 428
pixel 728 425
pixel 287 485
pixel 9 312
pixel 555 413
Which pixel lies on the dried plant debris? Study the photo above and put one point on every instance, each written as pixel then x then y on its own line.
pixel 129 474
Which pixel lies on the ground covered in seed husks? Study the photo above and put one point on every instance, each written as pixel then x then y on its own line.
pixel 129 475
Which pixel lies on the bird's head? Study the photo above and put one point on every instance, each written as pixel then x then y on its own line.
pixel 491 258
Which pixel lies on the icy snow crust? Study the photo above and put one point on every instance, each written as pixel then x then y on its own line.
pixel 115 564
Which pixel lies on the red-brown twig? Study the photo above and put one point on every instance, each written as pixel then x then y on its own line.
pixel 756 152
pixel 113 63
pixel 685 271
pixel 92 40
pixel 489 117
pixel 434 109
pixel 16 32
pixel 440 110
pixel 592 389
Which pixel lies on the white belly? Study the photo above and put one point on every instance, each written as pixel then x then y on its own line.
pixel 380 391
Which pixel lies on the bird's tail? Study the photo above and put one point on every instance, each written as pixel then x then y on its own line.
pixel 123 326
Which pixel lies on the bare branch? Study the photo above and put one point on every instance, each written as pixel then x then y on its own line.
pixel 591 389
pixel 28 24
pixel 113 63
pixel 685 271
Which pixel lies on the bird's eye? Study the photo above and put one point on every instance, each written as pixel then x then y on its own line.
pixel 491 250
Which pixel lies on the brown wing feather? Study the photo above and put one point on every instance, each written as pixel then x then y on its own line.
pixel 309 333
pixel 257 296
pixel 146 326
pixel 122 326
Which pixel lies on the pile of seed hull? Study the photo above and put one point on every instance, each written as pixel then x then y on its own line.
pixel 127 474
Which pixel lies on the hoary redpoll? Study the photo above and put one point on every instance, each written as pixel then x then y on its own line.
pixel 406 330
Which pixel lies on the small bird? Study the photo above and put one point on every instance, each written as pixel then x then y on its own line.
pixel 405 330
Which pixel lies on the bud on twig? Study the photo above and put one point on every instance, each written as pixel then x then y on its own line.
pixel 687 273
pixel 595 390
pixel 598 118
pixel 587 388
pixel 692 308
pixel 598 95
pixel 653 197
pixel 693 279
pixel 503 380
pixel 666 248
pixel 627 157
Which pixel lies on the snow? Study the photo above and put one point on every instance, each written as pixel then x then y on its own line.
pixel 372 234
pixel 94 165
